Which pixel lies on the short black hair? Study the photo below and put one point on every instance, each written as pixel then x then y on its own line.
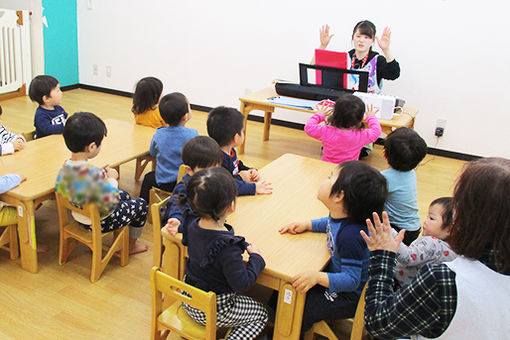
pixel 404 149
pixel 83 128
pixel 223 123
pixel 147 93
pixel 447 216
pixel 41 86
pixel 173 107
pixel 348 112
pixel 211 191
pixel 202 152
pixel 365 190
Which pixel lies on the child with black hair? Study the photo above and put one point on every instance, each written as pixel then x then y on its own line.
pixel 343 135
pixel 432 247
pixel 351 193
pixel 82 183
pixel 215 261
pixel 10 142
pixel 145 102
pixel 50 117
pixel 404 149
pixel 201 152
pixel 167 143
pixel 225 126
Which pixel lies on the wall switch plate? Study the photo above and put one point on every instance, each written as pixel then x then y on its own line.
pixel 108 71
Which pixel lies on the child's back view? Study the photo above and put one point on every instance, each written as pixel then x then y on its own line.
pixel 167 143
pixel 145 102
pixel 50 117
pixel 404 149
pixel 343 135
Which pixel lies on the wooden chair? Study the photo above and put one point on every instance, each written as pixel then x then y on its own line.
pixel 92 239
pixel 155 209
pixel 175 317
pixel 29 135
pixel 141 164
pixel 9 240
pixel 358 324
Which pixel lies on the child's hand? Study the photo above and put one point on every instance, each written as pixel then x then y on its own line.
pixel 263 188
pixel 324 36
pixel 380 237
pixel 370 110
pixel 111 173
pixel 254 175
pixel 245 175
pixel 304 281
pixel 18 144
pixel 253 249
pixel 325 107
pixel 172 226
pixel 23 178
pixel 296 227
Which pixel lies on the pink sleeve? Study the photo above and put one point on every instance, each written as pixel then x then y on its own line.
pixel 312 127
pixel 374 130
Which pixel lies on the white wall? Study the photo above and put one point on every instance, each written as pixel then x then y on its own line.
pixel 453 54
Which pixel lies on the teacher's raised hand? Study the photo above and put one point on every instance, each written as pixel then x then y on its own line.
pixel 380 236
pixel 325 37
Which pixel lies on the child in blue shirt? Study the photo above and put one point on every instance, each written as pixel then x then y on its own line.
pixel 50 117
pixel 215 261
pixel 167 143
pixel 199 153
pixel 351 193
pixel 404 149
pixel 225 125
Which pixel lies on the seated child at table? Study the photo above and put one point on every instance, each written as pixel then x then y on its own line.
pixel 167 143
pixel 351 193
pixel 82 183
pixel 8 214
pixel 200 152
pixel 145 102
pixel 343 135
pixel 432 247
pixel 215 260
pixel 225 126
pixel 404 149
pixel 50 117
pixel 9 142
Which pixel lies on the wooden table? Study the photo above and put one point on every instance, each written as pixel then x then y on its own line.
pixel 40 161
pixel 257 101
pixel 296 180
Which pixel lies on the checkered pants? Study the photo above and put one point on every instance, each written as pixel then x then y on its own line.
pixel 246 316
pixel 132 212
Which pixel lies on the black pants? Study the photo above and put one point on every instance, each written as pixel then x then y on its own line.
pixel 149 181
pixel 409 236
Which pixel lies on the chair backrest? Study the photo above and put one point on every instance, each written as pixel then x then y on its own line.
pixel 172 288
pixel 155 212
pixel 181 173
pixel 358 324
pixel 89 210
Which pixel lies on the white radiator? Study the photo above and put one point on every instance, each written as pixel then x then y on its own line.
pixel 11 51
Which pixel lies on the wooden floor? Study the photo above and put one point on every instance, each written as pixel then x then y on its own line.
pixel 60 302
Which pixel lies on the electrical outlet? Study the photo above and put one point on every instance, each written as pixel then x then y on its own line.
pixel 439 132
pixel 109 71
pixel 90 4
pixel 440 127
pixel 95 70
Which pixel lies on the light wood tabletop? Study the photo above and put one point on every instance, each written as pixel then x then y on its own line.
pixel 258 101
pixel 41 159
pixel 295 180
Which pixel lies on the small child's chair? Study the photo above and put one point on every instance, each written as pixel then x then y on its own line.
pixel 358 324
pixel 141 164
pixel 9 240
pixel 92 239
pixel 175 318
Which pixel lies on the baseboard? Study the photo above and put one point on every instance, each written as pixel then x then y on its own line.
pixel 292 125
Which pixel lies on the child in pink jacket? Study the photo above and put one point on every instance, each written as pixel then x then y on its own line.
pixel 343 135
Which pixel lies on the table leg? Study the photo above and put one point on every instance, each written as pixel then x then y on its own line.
pixel 289 313
pixel 245 111
pixel 267 124
pixel 27 240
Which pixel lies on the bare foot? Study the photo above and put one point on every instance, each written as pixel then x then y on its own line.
pixel 42 248
pixel 136 246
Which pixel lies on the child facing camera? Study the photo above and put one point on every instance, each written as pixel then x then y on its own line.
pixel 215 261
pixel 50 117
pixel 432 247
pixel 351 193
pixel 145 102
pixel 343 135
pixel 81 182
pixel 225 126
